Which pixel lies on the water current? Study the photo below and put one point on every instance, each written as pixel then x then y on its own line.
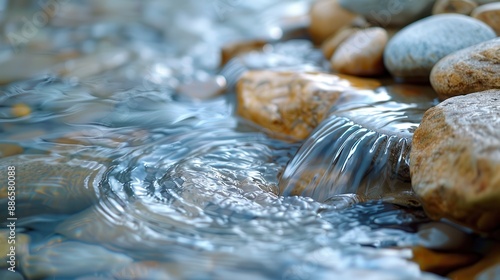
pixel 120 176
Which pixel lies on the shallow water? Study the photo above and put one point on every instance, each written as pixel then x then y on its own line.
pixel 122 177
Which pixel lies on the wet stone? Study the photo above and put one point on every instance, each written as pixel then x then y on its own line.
pixel 7 150
pixel 21 244
pixel 455 163
pixel 232 50
pixel 70 258
pixel 441 262
pixel 331 44
pixel 463 7
pixel 488 268
pixel 412 52
pixel 292 104
pixel 472 69
pixel 362 147
pixel 51 184
pixel 361 53
pixel 489 14
pixel 327 17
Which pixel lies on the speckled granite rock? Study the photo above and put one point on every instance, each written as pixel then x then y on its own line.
pixel 413 51
pixel 472 69
pixel 389 12
pixel 455 160
pixel 289 103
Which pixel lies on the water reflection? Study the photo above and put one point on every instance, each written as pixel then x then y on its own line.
pixel 120 177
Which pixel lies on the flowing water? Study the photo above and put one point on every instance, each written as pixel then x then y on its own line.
pixel 121 177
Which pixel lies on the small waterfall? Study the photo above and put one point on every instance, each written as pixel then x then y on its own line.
pixel 362 147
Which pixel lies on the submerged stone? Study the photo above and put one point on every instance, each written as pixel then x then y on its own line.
pixel 231 50
pixel 292 104
pixel 70 258
pixel 455 160
pixel 50 184
pixel 7 150
pixel 362 147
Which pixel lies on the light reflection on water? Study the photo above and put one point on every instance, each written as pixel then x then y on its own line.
pixel 197 191
pixel 178 189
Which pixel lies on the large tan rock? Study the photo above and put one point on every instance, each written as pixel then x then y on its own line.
pixel 289 103
pixel 473 69
pixel 327 17
pixel 455 160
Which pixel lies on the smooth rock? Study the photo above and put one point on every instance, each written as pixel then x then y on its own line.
pixel 488 268
pixel 472 69
pixel 51 184
pixel 489 14
pixel 20 110
pixel 327 17
pixel 464 7
pixel 7 150
pixel 234 49
pixel 441 262
pixel 455 160
pixel 70 258
pixel 289 103
pixel 389 12
pixel 22 246
pixel 331 44
pixel 413 51
pixel 361 53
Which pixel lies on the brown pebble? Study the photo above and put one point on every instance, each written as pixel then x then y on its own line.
pixel 488 268
pixel 7 150
pixel 289 103
pixel 441 262
pixel 327 17
pixel 331 44
pixel 489 14
pixel 463 7
pixel 234 49
pixel 362 53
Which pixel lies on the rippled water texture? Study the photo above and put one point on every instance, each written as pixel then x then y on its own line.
pixel 119 176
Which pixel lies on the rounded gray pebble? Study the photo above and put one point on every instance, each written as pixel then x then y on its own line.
pixel 389 12
pixel 412 52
